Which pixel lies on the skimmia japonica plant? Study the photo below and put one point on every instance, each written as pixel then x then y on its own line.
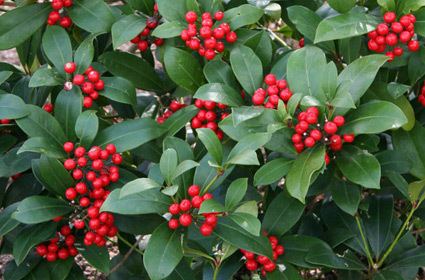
pixel 213 139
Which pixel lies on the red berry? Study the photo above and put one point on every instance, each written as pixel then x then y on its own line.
pixel 330 128
pixel 211 219
pixel 270 79
pixel 57 4
pixel 398 51
pixel 70 67
pixel 41 250
pixel 51 257
pixel 174 209
pixel 413 46
pixel 207 196
pixel 251 265
pixel 93 76
pixel 297 138
pixel 111 149
pixel 117 159
pixel 382 29
pixel 70 194
pixel 52 247
pixel 77 174
pixel 67 3
pixel 143 45
pixel 219 15
pixel 316 134
pixel 84 202
pixel 311 118
pixel 173 223
pixel 65 22
pixel 81 188
pixel 79 224
pixel 206 230
pixel 68 147
pixel 405 36
pixel 193 190
pixel 280 250
pixel 185 220
pixel 191 17
pixel 48 107
pixel 390 17
pixel 339 120
pixel 231 37
pixel 65 230
pixel 69 164
pixel 349 138
pixel 197 201
pixel 270 266
pixel 99 85
pixel 185 205
pixel 258 99
pixel 391 39
pixel 309 142
pixel 397 27
pixel 405 20
pixel 78 79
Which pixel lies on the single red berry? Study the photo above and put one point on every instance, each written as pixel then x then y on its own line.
pixel 413 46
pixel 397 27
pixel 185 220
pixel 349 138
pixel 79 224
pixel 65 230
pixel 339 120
pixel 57 4
pixel 382 29
pixel 390 17
pixel 251 265
pixel 70 67
pixel 68 147
pixel 231 37
pixel 69 164
pixel 41 250
pixel 111 149
pixel 65 22
pixel 191 17
pixel 193 190
pixel 196 201
pixel 258 99
pixel 51 257
pixel 211 219
pixel 405 20
pixel 174 209
pixel 309 142
pixel 207 196
pixel 219 15
pixel 48 107
pixel 280 250
pixel 316 134
pixel 67 3
pixel 372 45
pixel 398 51
pixel 70 194
pixel 117 159
pixel 93 76
pixel 99 85
pixel 206 229
pixel 185 205
pixel 173 223
pixel 269 266
pixel 391 56
pixel 330 128
pixel 297 138
pixel 405 36
pixel 391 39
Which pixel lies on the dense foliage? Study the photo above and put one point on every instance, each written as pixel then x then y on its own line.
pixel 209 139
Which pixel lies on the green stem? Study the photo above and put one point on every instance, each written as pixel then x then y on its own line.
pixel 130 245
pixel 365 244
pixel 275 36
pixel 399 234
pixel 211 183
pixel 216 270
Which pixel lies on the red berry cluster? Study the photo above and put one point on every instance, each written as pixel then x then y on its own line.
pixel 209 115
pixel 421 97
pixel 4 121
pixel 184 208
pixel 57 16
pixel 174 107
pixel 90 83
pixel 143 40
pixel 48 107
pixel 208 40
pixel 309 132
pixel 254 262
pixel 392 34
pixel 276 90
pixel 60 247
pixel 94 170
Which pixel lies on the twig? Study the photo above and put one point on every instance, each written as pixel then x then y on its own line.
pixel 365 244
pixel 126 256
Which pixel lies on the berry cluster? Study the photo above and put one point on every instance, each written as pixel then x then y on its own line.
pixel 94 170
pixel 209 115
pixel 208 40
pixel 309 132
pixel 276 90
pixel 90 83
pixel 60 247
pixel 144 40
pixel 174 107
pixel 57 15
pixel 254 262
pixel 421 97
pixel 392 34
pixel 184 208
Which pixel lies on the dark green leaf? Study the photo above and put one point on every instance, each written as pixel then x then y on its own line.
pixel 168 30
pixel 219 93
pixel 52 175
pixel 183 69
pixel 37 209
pixel 242 15
pixel 163 252
pixel 346 196
pixel 342 6
pixel 211 143
pixel 247 68
pixel 243 153
pixel 94 16
pixel 282 214
pixel 360 167
pixel 7 223
pixel 42 145
pixel 299 176
pixel 236 192
pixel 68 107
pixel 247 221
pixel 218 71
pixel 46 77
pixel 272 171
pixel 120 90
pixel 84 54
pixel 98 257
pixel 126 29
pixel 57 46
pixel 86 127
pixel 12 107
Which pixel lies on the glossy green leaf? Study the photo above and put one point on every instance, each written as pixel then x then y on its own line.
pixel 179 119
pixel 42 145
pixel 30 237
pixel 18 25
pixel 242 15
pixel 86 127
pixel 211 143
pixel 168 30
pixel 218 71
pixel 57 47
pixel 37 209
pixel 98 257
pixel 272 171
pixel 282 214
pixel 236 192
pixel 39 123
pixel 300 175
pixel 219 93
pixel 68 107
pixel 183 69
pixel 126 29
pixel 138 186
pixel 211 206
pixel 346 196
pixel 12 107
pixel 52 175
pixel 168 164
pixel 94 16
pixel 247 68
pixel 243 153
pixel 342 6
pixel 248 222
pixel 374 117
pixel 7 223
pixel 354 23
pixel 120 90
pixel 388 5
pixel 83 56
pixel 360 167
pixel 46 77
pixel 163 252
pixel 129 134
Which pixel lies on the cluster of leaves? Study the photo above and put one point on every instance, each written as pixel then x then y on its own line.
pixel 359 217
